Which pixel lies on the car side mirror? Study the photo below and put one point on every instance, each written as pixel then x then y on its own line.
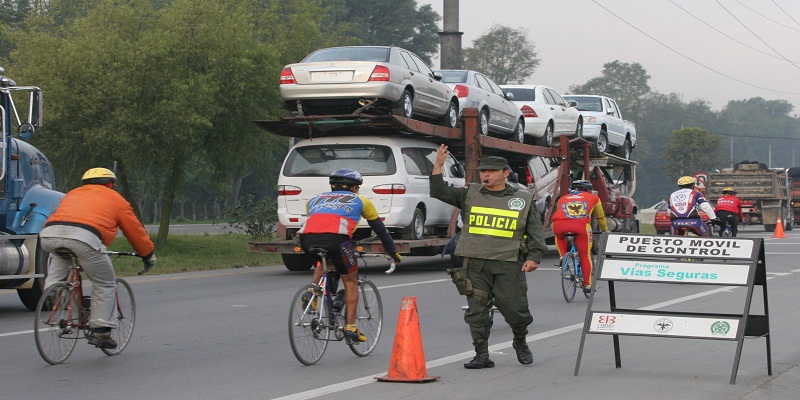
pixel 509 95
pixel 513 177
pixel 438 76
pixel 457 170
pixel 572 103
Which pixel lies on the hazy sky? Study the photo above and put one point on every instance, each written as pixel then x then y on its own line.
pixel 714 50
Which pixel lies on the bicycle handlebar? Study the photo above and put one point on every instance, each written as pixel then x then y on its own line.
pixel 147 266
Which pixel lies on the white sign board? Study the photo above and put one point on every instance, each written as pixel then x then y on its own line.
pixel 678 246
pixel 675 271
pixel 664 325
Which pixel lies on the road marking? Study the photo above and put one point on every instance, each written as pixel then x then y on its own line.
pixel 16 333
pixel 497 347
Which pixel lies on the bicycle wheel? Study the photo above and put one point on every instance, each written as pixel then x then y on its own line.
pixel 727 232
pixel 309 337
pixel 568 278
pixel 54 328
pixel 369 318
pixel 126 317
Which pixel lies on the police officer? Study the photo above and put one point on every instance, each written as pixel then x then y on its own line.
pixel 501 240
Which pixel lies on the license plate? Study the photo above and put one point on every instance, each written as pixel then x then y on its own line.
pixel 332 76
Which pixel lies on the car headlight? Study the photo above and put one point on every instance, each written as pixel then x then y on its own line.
pixel 589 120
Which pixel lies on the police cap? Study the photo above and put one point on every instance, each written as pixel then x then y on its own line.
pixel 493 162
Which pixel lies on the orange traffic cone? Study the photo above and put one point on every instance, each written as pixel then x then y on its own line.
pixel 408 359
pixel 779 230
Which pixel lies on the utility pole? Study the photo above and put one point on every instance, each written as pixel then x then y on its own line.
pixel 452 56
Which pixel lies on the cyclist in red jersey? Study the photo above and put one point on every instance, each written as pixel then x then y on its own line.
pixel 574 214
pixel 729 210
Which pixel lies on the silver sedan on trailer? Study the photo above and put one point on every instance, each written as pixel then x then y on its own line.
pixel 368 79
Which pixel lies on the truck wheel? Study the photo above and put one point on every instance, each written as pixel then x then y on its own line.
pixel 600 145
pixel 416 229
pixel 404 107
pixel 547 139
pixel 624 151
pixel 298 262
pixel 30 297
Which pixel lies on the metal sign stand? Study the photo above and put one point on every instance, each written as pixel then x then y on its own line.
pixel 683 260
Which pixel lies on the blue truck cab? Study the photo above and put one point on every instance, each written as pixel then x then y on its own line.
pixel 27 197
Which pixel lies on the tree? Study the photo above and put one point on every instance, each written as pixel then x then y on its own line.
pixel 504 54
pixel 624 82
pixel 692 150
pixel 386 23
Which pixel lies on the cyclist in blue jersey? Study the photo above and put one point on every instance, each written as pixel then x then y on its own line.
pixel 683 206
pixel 332 218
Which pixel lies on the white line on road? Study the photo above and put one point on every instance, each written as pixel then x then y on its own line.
pixel 500 346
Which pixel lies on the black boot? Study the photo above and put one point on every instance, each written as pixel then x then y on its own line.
pixel 524 355
pixel 481 359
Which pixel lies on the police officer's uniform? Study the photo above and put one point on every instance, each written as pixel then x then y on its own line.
pixel 501 231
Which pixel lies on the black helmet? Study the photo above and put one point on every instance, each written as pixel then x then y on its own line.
pixel 583 185
pixel 346 176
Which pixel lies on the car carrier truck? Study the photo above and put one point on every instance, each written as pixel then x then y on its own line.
pixel 468 145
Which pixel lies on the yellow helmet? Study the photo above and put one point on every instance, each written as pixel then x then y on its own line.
pixel 686 180
pixel 99 176
pixel 729 190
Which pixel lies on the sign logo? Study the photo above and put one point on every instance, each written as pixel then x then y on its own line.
pixel 516 203
pixel 663 325
pixel 606 322
pixel 720 328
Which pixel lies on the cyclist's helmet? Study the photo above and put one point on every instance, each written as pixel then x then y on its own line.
pixel 729 190
pixel 686 181
pixel 346 177
pixel 583 185
pixel 98 176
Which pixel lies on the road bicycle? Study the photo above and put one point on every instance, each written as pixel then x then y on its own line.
pixel 318 310
pixel 728 232
pixel 571 273
pixel 62 315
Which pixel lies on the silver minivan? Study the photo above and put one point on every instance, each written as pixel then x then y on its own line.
pixel 396 172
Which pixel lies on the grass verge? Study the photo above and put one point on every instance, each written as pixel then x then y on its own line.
pixel 186 253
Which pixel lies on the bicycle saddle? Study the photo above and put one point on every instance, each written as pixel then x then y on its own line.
pixel 320 251
pixel 64 252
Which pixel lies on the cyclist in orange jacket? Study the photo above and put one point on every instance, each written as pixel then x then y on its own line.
pixel 729 211
pixel 85 222
pixel 574 214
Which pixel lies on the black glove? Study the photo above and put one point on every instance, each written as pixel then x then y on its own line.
pixel 149 263
pixel 396 257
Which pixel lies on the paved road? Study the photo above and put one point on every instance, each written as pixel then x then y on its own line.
pixel 222 335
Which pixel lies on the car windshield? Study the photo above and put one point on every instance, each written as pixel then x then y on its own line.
pixel 376 54
pixel 324 159
pixel 454 76
pixel 522 94
pixel 586 103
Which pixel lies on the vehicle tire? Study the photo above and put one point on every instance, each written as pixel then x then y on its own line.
pixel 547 139
pixel 299 262
pixel 126 317
pixel 55 336
pixel 624 151
pixel 30 297
pixel 519 132
pixel 579 129
pixel 483 122
pixel 600 144
pixel 308 337
pixel 404 107
pixel 369 318
pixel 450 118
pixel 568 279
pixel 789 226
pixel 416 229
